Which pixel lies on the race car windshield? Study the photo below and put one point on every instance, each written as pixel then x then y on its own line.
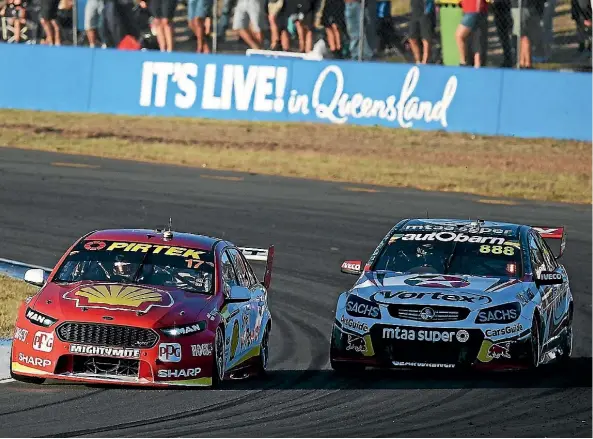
pixel 137 263
pixel 450 253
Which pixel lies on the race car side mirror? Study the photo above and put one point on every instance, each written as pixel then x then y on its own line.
pixel 34 276
pixel 549 278
pixel 239 294
pixel 352 267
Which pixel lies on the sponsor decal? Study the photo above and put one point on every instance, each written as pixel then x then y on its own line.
pixel 201 350
pixel 350 266
pixel 493 351
pixel 408 295
pixel 234 340
pixel 119 297
pixel 183 330
pixel 525 296
pixel 359 307
pixel 39 319
pixel 429 335
pixel 20 334
pixel 453 237
pixel 452 227
pixel 170 352
pixel 416 364
pixel 507 330
pixel 155 249
pixel 104 351
pixel 43 341
pixel 95 245
pixel 550 276
pixel 179 373
pixel 354 324
pixel 356 344
pixel 506 313
pixel 34 361
pixel 438 281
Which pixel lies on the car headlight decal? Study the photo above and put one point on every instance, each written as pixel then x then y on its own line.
pixel 39 319
pixel 359 307
pixel 506 313
pixel 178 331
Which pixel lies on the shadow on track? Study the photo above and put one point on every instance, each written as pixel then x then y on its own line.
pixel 577 373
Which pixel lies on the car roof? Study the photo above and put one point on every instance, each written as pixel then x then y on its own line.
pixel 179 239
pixel 510 229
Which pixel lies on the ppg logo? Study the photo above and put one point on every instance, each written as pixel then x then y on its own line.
pixel 170 352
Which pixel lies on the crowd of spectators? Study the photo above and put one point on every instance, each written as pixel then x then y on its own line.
pixel 344 26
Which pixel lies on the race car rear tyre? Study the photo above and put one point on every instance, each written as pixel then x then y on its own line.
pixel 535 349
pixel 218 358
pixel 261 365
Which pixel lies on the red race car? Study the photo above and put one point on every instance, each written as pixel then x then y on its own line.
pixel 146 307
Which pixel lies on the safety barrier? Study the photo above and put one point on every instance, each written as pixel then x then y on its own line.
pixel 480 101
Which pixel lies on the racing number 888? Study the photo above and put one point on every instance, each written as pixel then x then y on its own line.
pixel 497 249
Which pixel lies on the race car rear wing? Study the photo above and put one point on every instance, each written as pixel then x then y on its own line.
pixel 553 233
pixel 262 255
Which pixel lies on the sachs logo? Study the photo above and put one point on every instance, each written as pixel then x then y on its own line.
pixel 119 297
pixel 432 281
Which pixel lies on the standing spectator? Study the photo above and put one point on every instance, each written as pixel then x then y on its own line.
pixel 163 12
pixel 198 11
pixel 366 36
pixel 474 21
pixel 332 19
pixel 303 22
pixel 526 24
pixel 249 12
pixel 421 29
pixel 581 14
pixel 503 23
pixel 274 8
pixel 15 13
pixel 223 20
pixel 48 14
pixel 93 19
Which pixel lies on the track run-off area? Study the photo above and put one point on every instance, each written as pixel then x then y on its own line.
pixel 48 200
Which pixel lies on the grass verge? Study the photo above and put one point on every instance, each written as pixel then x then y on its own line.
pixel 538 169
pixel 13 292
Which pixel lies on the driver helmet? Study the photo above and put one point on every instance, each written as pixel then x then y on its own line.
pixel 425 251
pixel 121 267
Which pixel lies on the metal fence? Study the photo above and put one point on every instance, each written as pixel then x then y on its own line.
pixel 548 34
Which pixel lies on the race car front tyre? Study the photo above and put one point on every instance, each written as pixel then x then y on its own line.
pixel 535 349
pixel 264 354
pixel 218 358
pixel 567 342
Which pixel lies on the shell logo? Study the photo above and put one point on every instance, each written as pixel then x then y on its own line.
pixel 119 297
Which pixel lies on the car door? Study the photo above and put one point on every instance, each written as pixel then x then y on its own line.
pixel 231 312
pixel 547 292
pixel 250 330
pixel 558 309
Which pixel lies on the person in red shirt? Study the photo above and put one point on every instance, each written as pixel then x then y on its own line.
pixel 475 18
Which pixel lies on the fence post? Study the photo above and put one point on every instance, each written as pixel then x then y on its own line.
pixel 362 32
pixel 75 22
pixel 214 26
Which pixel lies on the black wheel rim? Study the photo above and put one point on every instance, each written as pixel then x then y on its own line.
pixel 219 354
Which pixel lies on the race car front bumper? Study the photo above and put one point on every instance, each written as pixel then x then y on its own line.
pixel 389 346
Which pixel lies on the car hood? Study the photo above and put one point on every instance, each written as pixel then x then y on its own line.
pixel 448 290
pixel 123 304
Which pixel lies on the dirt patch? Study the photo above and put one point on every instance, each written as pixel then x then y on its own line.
pixel 542 169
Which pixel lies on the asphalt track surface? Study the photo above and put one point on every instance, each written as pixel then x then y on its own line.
pixel 48 200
